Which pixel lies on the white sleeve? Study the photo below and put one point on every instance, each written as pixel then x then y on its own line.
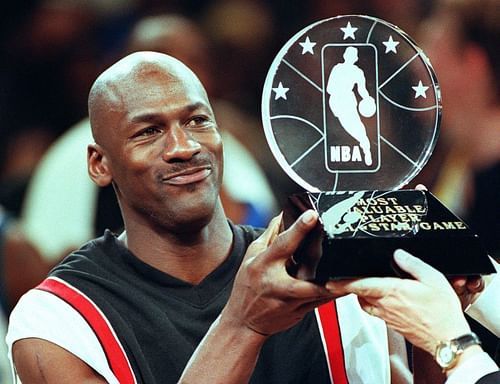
pixel 486 309
pixel 364 339
pixel 42 315
pixel 5 375
pixel 472 369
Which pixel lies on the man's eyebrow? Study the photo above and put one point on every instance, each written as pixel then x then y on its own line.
pixel 154 116
pixel 145 117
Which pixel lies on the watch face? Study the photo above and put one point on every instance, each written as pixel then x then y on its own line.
pixel 351 103
pixel 445 355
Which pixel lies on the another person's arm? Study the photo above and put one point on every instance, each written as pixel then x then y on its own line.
pixel 425 310
pixel 484 307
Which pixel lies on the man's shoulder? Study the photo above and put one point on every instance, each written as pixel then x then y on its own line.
pixel 95 251
pixel 42 315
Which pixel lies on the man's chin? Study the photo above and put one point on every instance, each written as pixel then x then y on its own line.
pixel 192 214
pixel 190 224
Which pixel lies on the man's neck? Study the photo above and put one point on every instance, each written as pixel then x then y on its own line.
pixel 188 256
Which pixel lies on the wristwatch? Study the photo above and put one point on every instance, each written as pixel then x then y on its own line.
pixel 448 352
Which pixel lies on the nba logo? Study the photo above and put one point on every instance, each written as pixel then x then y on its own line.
pixel 350 108
pixel 351 103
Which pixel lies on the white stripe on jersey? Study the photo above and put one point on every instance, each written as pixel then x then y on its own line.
pixel 43 315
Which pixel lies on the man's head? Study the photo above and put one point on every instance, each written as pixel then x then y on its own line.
pixel 351 55
pixel 156 140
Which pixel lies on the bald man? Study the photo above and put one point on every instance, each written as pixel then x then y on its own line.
pixel 182 291
pixel 50 202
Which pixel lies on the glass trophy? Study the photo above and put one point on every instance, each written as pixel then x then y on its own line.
pixel 351 110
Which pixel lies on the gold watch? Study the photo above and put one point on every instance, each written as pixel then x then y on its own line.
pixel 448 352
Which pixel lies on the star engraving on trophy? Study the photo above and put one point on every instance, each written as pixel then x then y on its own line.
pixel 280 91
pixel 390 45
pixel 349 31
pixel 420 90
pixel 307 46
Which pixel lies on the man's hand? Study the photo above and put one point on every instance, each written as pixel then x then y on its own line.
pixel 468 288
pixel 425 310
pixel 265 298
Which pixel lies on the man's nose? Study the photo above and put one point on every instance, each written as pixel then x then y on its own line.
pixel 180 145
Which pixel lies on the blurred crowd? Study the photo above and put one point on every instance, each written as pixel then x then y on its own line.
pixel 52 50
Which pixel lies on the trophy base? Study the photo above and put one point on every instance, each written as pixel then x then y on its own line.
pixel 358 232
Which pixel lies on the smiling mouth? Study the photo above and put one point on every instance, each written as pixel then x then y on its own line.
pixel 188 176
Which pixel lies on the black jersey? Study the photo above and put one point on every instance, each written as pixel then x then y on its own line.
pixel 149 323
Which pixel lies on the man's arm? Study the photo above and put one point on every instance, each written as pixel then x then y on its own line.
pixel 39 322
pixel 227 354
pixel 482 305
pixel 361 84
pixel 39 361
pixel 265 300
pixel 425 310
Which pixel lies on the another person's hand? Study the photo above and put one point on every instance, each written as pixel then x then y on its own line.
pixel 468 288
pixel 425 310
pixel 265 298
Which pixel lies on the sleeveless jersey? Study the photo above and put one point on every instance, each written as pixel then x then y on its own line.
pixel 135 324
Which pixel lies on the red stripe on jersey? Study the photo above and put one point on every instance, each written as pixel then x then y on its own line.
pixel 115 354
pixel 332 341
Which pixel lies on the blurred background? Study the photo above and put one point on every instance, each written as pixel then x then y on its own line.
pixel 52 50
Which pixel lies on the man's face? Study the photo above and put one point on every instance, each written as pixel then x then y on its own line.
pixel 164 151
pixel 351 55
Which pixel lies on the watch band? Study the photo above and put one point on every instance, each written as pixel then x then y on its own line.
pixel 467 340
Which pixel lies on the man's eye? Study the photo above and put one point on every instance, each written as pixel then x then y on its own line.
pixel 198 121
pixel 149 131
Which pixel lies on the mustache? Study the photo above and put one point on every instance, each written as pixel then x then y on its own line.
pixel 201 161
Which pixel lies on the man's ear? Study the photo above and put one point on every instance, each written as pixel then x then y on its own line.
pixel 98 167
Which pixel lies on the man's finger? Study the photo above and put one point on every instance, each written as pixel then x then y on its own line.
pixel 369 306
pixel 475 284
pixel 288 241
pixel 339 287
pixel 417 268
pixel 308 307
pixel 458 283
pixel 374 287
pixel 300 289
pixel 271 232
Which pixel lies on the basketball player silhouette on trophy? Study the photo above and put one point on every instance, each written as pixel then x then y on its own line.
pixel 343 101
pixel 338 217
